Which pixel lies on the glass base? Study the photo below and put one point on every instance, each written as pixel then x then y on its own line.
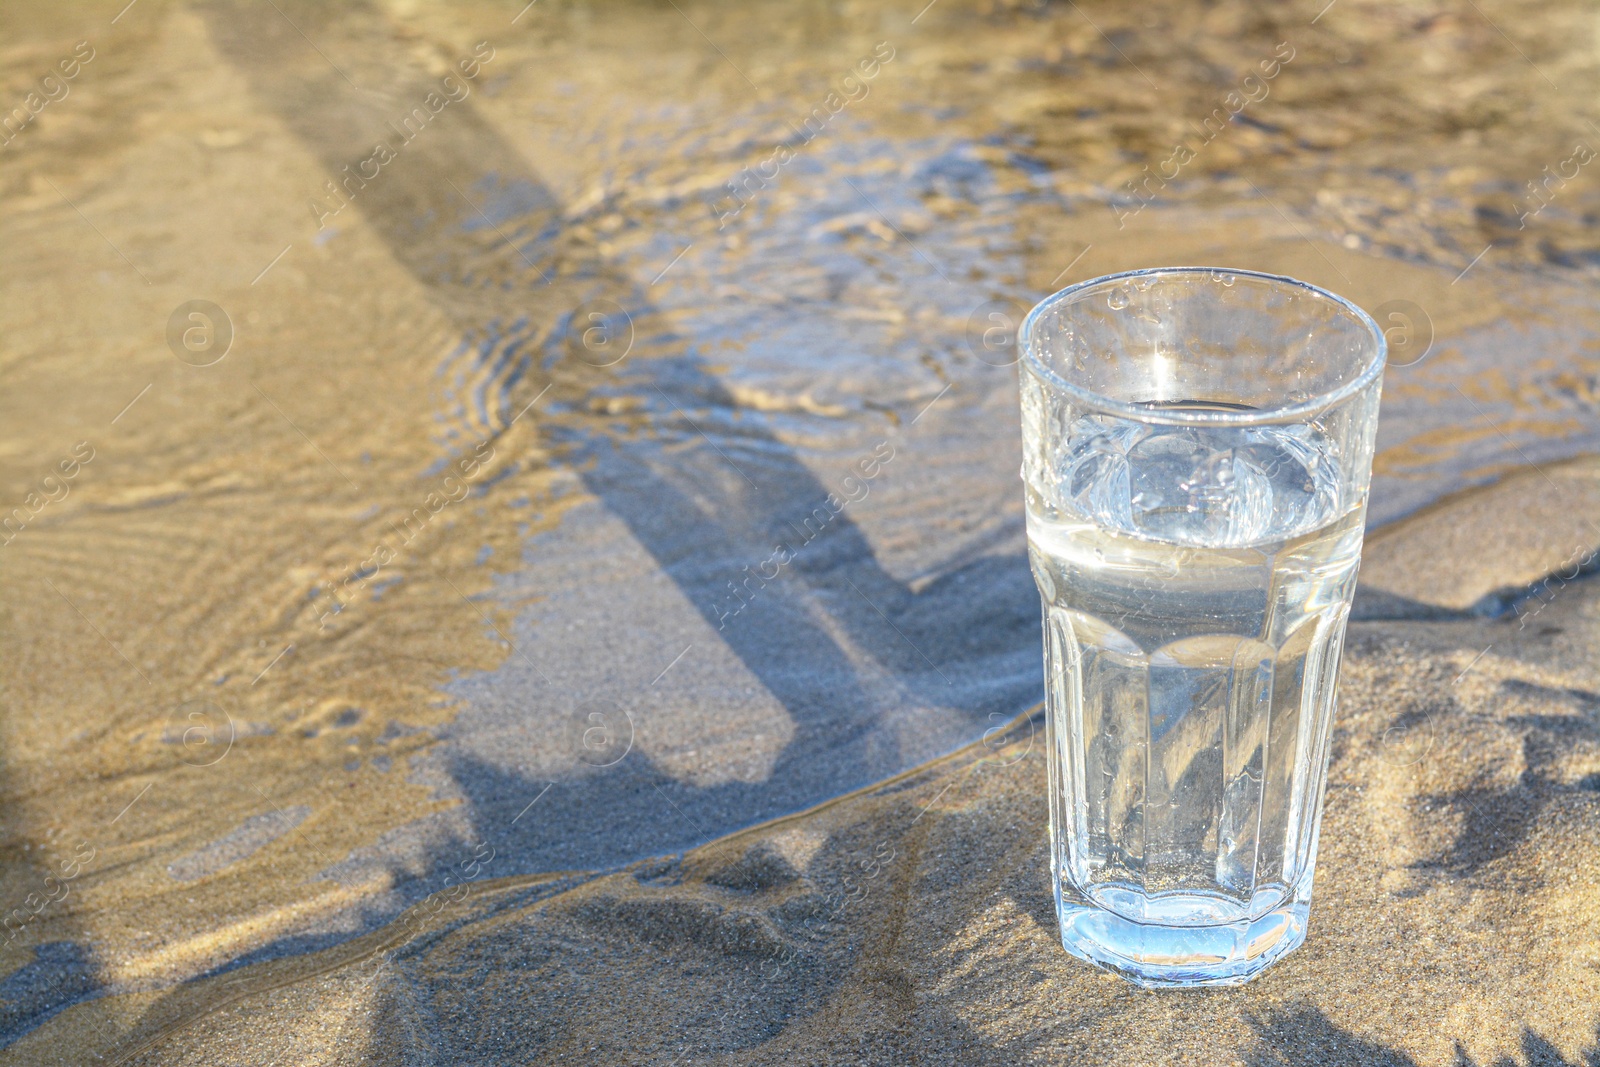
pixel 1179 953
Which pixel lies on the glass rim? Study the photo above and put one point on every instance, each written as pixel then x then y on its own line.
pixel 1178 417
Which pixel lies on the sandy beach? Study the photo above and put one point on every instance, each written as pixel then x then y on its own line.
pixel 911 922
pixel 444 649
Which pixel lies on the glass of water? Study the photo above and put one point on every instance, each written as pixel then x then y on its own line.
pixel 1197 449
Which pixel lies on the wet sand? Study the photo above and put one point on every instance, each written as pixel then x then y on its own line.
pixel 320 623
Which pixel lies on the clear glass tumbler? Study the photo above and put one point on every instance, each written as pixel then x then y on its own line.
pixel 1197 450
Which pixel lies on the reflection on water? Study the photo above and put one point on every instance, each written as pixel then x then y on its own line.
pixel 526 523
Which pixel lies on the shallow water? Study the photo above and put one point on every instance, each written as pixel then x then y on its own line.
pixel 425 576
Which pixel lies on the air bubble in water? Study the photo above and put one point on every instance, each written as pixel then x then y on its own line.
pixel 1118 299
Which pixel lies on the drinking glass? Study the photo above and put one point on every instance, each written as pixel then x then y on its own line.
pixel 1197 449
